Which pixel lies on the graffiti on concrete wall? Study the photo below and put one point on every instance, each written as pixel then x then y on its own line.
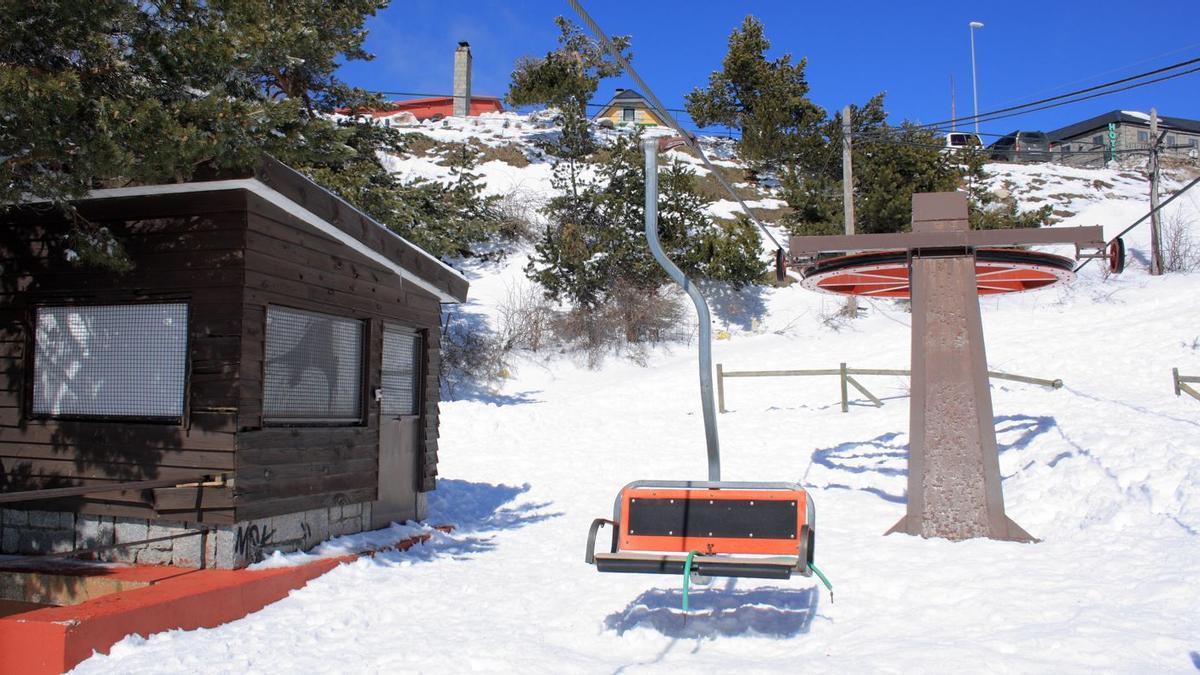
pixel 251 540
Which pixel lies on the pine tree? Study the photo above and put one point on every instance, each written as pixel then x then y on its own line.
pixel 117 91
pixel 595 244
pixel 113 92
pixel 767 101
pixel 567 78
pixel 890 164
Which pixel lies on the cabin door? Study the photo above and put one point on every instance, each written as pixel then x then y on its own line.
pixel 399 428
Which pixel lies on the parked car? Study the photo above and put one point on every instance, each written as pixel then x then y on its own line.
pixel 958 140
pixel 1022 146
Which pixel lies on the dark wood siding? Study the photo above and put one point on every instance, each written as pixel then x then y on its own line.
pixel 187 248
pixel 288 469
pixel 229 255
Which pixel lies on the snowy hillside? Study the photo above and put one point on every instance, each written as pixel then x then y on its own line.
pixel 1105 472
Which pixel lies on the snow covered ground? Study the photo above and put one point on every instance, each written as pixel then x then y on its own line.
pixel 1105 471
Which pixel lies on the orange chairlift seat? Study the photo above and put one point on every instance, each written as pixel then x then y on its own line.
pixel 707 528
pixel 732 529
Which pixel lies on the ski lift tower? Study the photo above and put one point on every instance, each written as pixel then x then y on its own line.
pixel 953 462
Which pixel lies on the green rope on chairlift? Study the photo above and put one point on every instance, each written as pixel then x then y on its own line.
pixel 687 576
pixel 812 567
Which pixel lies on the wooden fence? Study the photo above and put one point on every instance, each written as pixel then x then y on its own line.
pixel 846 375
pixel 1181 383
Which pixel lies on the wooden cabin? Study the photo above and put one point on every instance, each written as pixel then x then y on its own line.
pixel 630 108
pixel 272 354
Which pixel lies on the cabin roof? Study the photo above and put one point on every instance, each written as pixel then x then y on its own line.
pixel 328 213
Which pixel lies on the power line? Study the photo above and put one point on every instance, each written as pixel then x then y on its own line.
pixel 688 138
pixel 1111 70
pixel 1030 106
pixel 428 95
pixel 1095 95
pixel 1143 219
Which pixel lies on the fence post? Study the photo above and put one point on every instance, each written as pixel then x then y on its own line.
pixel 845 394
pixel 720 388
pixel 1175 379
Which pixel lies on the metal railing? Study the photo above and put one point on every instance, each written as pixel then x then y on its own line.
pixel 1181 383
pixel 846 376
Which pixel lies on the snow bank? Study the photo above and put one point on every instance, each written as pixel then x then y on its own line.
pixel 1105 472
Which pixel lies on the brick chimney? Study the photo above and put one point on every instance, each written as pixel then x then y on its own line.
pixel 462 80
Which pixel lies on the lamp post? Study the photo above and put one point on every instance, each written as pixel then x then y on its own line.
pixel 974 86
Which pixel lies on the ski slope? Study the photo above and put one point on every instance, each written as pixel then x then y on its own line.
pixel 1105 472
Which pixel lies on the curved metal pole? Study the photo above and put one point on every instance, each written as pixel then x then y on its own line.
pixel 650 147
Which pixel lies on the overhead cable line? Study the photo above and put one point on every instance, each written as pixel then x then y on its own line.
pixel 1031 106
pixel 1095 95
pixel 687 136
pixel 427 95
pixel 1143 219
pixel 1111 71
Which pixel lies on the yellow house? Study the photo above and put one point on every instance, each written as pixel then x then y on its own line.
pixel 630 108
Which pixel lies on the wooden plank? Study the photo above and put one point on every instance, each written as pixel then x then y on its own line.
pixel 224 367
pixel 300 274
pixel 35 490
pixel 252 509
pixel 192 498
pixel 134 280
pixel 214 393
pixel 226 203
pixel 127 510
pixel 262 474
pixel 264 240
pixel 267 289
pixel 356 224
pixel 41 470
pixel 123 463
pixel 207 420
pixel 206 348
pixel 301 437
pixel 333 454
pixel 62 433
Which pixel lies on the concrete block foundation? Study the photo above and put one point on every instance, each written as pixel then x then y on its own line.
pixel 223 546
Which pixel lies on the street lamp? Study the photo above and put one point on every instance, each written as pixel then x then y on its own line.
pixel 974 86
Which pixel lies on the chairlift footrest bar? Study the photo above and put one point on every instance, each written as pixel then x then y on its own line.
pixel 707 566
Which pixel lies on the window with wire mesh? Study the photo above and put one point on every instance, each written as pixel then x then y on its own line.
pixel 110 361
pixel 401 376
pixel 313 369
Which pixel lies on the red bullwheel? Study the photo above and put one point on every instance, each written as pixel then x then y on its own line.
pixel 884 274
pixel 1116 256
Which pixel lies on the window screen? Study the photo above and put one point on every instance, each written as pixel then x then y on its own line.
pixel 313 370
pixel 110 361
pixel 401 372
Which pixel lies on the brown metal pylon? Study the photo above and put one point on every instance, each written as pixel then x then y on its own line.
pixel 953 465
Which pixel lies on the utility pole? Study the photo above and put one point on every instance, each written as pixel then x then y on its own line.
pixel 848 193
pixel 953 117
pixel 1155 232
pixel 974 85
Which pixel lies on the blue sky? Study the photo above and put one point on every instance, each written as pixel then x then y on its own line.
pixel 910 50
